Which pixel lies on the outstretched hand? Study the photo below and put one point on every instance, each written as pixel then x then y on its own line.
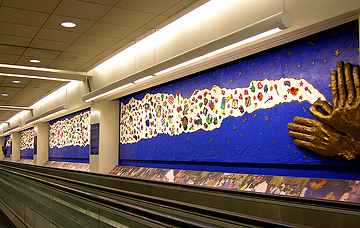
pixel 337 128
pixel 344 115
pixel 320 138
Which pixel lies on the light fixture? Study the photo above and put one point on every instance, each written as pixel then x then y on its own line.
pixel 143 79
pixel 255 31
pixel 109 92
pixel 47 114
pixel 68 24
pixel 36 77
pixel 16 81
pixel 14 108
pixel 42 73
pixel 250 33
pixel 35 61
pixel 11 129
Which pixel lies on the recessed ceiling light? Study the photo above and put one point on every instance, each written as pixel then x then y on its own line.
pixel 4 94
pixel 68 24
pixel 16 81
pixel 35 61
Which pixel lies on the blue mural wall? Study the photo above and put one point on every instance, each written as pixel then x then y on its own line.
pixel 69 138
pixel 8 146
pixel 27 144
pixel 254 141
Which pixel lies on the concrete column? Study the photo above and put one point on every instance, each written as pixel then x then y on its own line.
pixel 95 137
pixel 108 136
pixel 42 133
pixel 15 153
pixel 2 143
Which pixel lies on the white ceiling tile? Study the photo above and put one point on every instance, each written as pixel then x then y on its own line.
pixel 5 115
pixel 127 17
pixel 12 50
pixel 84 49
pixel 66 65
pixel 24 17
pixel 36 84
pixel 12 91
pixel 75 57
pixel 49 44
pixel 41 53
pixel 15 40
pixel 80 9
pixel 18 30
pixel 99 41
pixel 54 22
pixel 120 45
pixel 134 36
pixel 110 30
pixel 90 64
pixel 36 5
pixel 153 24
pixel 8 82
pixel 105 2
pixel 149 6
pixel 57 35
pixel 9 58
pixel 182 6
pixel 24 61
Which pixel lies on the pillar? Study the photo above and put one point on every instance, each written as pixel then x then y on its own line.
pixel 41 134
pixel 108 136
pixel 2 143
pixel 15 151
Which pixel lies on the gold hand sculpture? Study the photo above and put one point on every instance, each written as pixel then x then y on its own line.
pixel 344 115
pixel 337 132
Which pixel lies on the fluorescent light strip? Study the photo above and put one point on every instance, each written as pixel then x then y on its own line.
pixel 14 107
pixel 109 92
pixel 143 79
pixel 48 114
pixel 31 68
pixel 232 46
pixel 12 129
pixel 36 77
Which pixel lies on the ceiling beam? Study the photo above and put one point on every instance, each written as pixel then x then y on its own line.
pixel 42 73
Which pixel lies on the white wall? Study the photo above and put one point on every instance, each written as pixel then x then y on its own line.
pixel 15 146
pixel 42 132
pixel 2 143
pixel 230 16
pixel 108 136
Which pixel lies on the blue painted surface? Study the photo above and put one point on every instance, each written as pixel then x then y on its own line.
pixel 79 154
pixel 26 153
pixel 8 148
pixel 256 146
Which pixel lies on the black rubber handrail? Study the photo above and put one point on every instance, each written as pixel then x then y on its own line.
pixel 249 196
pixel 246 219
pixel 155 216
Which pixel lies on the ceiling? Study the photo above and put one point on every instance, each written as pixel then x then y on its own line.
pixel 30 29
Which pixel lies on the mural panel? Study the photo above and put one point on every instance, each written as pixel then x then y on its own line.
pixel 239 112
pixel 69 137
pixel 27 144
pixel 8 146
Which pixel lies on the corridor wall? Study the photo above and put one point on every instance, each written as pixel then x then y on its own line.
pixel 233 118
pixel 69 138
pixel 27 144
